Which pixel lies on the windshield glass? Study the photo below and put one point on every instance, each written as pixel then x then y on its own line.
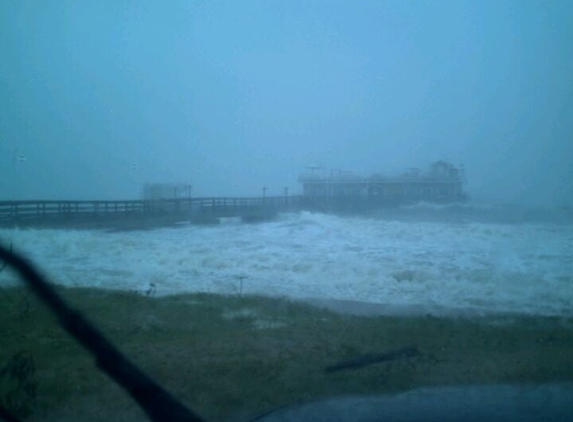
pixel 268 203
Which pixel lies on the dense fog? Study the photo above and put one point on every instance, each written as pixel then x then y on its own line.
pixel 363 298
pixel 97 98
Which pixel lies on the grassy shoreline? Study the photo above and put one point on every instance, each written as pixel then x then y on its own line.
pixel 232 357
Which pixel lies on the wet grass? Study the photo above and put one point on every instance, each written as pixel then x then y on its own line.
pixel 230 357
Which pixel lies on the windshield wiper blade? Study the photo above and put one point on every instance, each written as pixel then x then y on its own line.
pixel 154 400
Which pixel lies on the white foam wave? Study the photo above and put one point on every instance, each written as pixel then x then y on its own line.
pixel 526 268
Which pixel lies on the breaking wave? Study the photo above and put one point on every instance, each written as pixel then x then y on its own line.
pixel 446 264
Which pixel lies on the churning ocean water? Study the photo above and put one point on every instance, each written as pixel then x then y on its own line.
pixel 423 259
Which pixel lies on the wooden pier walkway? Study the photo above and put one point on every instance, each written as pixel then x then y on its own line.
pixel 139 213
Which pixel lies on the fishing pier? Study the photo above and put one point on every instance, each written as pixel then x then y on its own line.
pixel 168 204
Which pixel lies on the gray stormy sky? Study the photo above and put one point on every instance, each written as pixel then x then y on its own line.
pixel 101 96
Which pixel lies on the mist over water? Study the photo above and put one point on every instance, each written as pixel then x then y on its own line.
pixel 484 212
pixel 98 98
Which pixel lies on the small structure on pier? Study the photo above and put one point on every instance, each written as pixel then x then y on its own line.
pixel 158 191
pixel 441 182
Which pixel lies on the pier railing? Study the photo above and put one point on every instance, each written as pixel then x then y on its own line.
pixel 44 210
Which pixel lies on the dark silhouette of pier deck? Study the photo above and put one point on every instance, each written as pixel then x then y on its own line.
pixel 142 213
